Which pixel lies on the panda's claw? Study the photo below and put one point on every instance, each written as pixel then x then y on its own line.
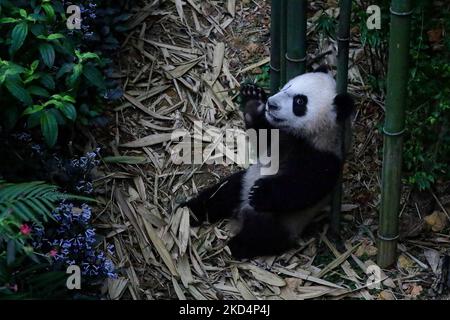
pixel 251 92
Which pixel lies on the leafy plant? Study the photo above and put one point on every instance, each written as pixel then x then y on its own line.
pixel 263 79
pixel 326 25
pixel 427 137
pixel 39 239
pixel 427 145
pixel 21 204
pixel 47 77
pixel 25 202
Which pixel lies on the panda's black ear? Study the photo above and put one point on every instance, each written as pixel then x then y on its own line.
pixel 344 105
pixel 322 68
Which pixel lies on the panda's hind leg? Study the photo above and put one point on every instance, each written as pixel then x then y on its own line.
pixel 218 201
pixel 260 235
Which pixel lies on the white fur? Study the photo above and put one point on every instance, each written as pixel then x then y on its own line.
pixel 318 125
pixel 252 174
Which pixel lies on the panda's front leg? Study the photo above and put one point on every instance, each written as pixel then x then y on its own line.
pixel 283 194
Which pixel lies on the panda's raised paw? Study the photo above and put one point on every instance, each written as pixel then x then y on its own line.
pixel 253 92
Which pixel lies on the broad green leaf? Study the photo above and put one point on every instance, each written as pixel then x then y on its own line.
pixel 88 55
pixel 47 80
pixel 47 54
pixel 18 35
pixel 33 109
pixel 56 103
pixel 55 36
pixel 34 119
pixel 23 13
pixel 69 111
pixel 77 70
pixel 60 119
pixel 38 91
pixel 38 30
pixel 65 68
pixel 34 65
pixel 49 128
pixel 67 98
pixel 16 88
pixel 49 10
pixel 7 20
pixel 94 76
pixel 30 78
pixel 13 69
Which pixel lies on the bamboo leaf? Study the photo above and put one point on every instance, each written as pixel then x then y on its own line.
pixel 125 159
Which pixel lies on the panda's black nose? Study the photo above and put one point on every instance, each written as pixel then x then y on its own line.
pixel 272 107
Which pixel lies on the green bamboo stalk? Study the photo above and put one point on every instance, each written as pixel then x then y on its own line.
pixel 283 32
pixel 296 38
pixel 394 126
pixel 275 46
pixel 343 38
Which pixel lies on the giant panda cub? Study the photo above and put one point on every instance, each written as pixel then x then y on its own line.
pixel 272 210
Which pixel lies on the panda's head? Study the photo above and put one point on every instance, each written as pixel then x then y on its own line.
pixel 308 105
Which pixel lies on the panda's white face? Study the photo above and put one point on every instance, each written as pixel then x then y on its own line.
pixel 304 105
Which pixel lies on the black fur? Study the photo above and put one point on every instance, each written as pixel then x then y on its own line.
pixel 322 68
pixel 306 176
pixel 299 105
pixel 260 235
pixel 217 202
pixel 252 97
pixel 297 186
pixel 251 92
pixel 344 106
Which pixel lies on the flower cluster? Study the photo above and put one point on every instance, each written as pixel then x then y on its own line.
pixel 72 241
pixel 80 169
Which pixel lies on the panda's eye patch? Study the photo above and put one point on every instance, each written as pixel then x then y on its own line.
pixel 299 105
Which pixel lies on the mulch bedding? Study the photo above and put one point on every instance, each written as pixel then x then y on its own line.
pixel 182 63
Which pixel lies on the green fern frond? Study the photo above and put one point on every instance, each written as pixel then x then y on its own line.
pixel 30 201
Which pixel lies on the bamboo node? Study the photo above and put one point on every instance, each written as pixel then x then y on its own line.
pixel 273 68
pixel 294 59
pixel 346 39
pixel 401 14
pixel 387 238
pixel 393 134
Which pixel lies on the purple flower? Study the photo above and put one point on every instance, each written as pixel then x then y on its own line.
pixel 73 241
